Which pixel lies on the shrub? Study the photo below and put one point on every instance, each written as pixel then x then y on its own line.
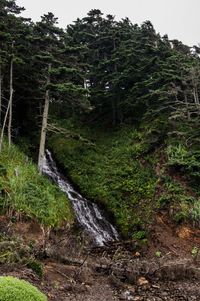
pixel 36 266
pixel 13 289
pixel 186 160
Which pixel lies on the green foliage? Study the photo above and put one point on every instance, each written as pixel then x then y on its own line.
pixel 195 212
pixel 36 266
pixel 187 160
pixel 177 198
pixel 158 254
pixel 195 251
pixel 109 173
pixel 118 170
pixel 140 235
pixel 12 250
pixel 118 73
pixel 25 191
pixel 13 289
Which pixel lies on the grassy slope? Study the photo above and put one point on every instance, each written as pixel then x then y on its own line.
pixel 110 173
pixel 24 190
pixel 125 170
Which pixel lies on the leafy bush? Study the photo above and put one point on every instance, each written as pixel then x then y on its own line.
pixel 188 161
pixel 12 250
pixel 195 213
pixel 13 289
pixel 36 266
pixel 140 235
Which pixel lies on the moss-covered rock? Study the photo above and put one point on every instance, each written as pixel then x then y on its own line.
pixel 13 289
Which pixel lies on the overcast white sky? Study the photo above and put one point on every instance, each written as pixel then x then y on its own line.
pixel 178 18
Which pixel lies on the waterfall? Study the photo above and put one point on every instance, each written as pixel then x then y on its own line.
pixel 88 214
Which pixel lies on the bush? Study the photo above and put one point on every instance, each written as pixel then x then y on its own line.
pixel 36 266
pixel 186 160
pixel 13 289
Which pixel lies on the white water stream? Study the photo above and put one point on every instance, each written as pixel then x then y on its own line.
pixel 88 214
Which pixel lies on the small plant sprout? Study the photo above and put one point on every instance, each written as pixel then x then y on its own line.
pixel 195 251
pixel 158 254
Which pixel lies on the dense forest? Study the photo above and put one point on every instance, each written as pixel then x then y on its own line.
pixel 119 107
pixel 115 71
pixel 109 75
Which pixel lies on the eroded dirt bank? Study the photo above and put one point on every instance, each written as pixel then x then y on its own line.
pixel 75 271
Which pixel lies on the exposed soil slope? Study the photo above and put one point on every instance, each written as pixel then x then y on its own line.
pixel 73 271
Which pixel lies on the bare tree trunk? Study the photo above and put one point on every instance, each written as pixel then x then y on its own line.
pixel 197 98
pixel 10 104
pixel 194 77
pixel 44 125
pixel 1 81
pixel 113 103
pixel 186 103
pixel 4 124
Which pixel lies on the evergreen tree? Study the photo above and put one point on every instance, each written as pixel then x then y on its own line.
pixel 61 81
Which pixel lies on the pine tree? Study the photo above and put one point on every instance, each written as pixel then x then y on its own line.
pixel 10 31
pixel 61 81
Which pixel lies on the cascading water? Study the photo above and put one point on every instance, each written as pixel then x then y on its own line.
pixel 88 214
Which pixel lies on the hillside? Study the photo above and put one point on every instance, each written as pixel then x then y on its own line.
pixel 99 158
pixel 161 259
pixel 26 194
pixel 134 173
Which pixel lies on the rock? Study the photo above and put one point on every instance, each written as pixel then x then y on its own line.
pixel 164 294
pixel 155 286
pixel 132 290
pixel 142 281
pixel 138 298
pixel 126 296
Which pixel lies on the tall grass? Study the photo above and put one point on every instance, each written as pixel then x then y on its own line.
pixel 23 190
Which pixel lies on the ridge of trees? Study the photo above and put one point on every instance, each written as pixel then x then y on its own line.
pixel 115 71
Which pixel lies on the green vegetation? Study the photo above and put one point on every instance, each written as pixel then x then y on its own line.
pixel 186 160
pixel 195 251
pixel 36 266
pixel 109 172
pixel 136 96
pixel 119 170
pixel 13 250
pixel 13 289
pixel 158 254
pixel 24 191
